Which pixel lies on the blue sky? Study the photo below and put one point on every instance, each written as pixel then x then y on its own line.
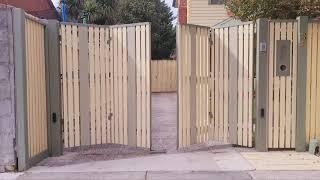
pixel 169 2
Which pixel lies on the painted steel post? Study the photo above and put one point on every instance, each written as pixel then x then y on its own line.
pixel 20 87
pixel 52 46
pixel 301 84
pixel 262 85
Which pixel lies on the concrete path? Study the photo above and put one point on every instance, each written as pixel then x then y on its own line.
pixel 215 160
pixel 164 122
pixel 185 175
pixel 172 175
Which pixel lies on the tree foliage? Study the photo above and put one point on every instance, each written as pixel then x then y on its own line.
pixel 273 9
pixel 110 12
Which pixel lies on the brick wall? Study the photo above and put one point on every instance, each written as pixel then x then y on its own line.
pixel 182 14
pixel 7 96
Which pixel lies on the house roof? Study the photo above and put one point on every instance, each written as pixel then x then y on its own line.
pixel 40 8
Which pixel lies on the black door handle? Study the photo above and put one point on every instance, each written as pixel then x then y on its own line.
pixel 54 117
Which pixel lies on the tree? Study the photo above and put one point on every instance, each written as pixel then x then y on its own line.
pixel 111 12
pixel 247 10
pixel 159 14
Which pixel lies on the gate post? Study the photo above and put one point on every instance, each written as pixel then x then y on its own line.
pixel 262 85
pixel 301 84
pixel 52 44
pixel 20 87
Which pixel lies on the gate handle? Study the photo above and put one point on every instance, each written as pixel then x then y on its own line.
pixel 262 113
pixel 54 117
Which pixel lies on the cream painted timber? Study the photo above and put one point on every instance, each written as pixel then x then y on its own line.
pixel 200 12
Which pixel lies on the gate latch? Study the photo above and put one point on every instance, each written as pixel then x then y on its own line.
pixel 262 113
pixel 54 117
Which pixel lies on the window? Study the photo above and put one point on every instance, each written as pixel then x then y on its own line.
pixel 213 2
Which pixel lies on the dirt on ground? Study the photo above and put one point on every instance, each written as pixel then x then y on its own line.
pixel 95 153
pixel 164 138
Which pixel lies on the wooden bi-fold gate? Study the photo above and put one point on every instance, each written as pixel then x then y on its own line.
pixel 106 84
pixel 215 68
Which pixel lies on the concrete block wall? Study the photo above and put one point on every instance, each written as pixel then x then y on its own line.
pixel 7 91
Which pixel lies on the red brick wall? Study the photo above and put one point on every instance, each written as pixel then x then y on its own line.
pixel 182 14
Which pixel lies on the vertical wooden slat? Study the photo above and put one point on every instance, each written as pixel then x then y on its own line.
pixel 308 100
pixel 116 85
pixel 251 79
pixel 84 86
pixel 233 85
pixel 211 84
pixel 36 91
pixel 120 85
pixel 92 86
pixel 245 84
pixel 103 86
pixel 125 85
pixel 240 86
pixel 36 78
pixel 70 86
pixel 221 70
pixel 294 84
pixel 148 84
pixel 185 116
pixel 143 84
pixel 31 91
pixel 30 114
pixel 108 83
pixel 226 87
pixel 216 79
pixel 138 71
pixel 282 105
pixel 179 41
pixel 313 80
pixel 28 56
pixel 288 96
pixel 271 87
pixel 97 83
pixel 276 114
pixel 200 94
pixel 206 79
pixel 132 87
pixel 64 85
pixel 76 84
pixel 111 116
pixel 187 90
